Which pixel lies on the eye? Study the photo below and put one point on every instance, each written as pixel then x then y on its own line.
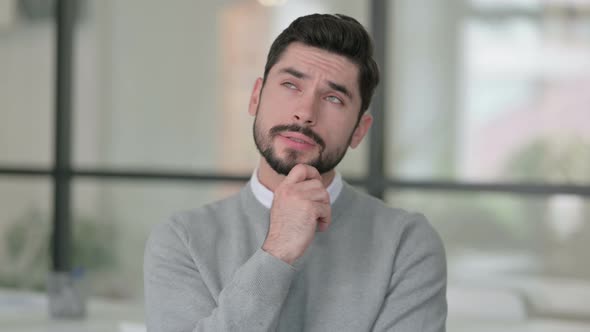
pixel 334 99
pixel 290 85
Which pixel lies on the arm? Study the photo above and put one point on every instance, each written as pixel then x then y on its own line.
pixel 177 298
pixel 416 299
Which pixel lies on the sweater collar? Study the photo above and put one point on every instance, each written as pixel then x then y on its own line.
pixel 265 196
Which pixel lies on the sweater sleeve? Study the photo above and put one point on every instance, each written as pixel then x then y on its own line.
pixel 177 299
pixel 416 299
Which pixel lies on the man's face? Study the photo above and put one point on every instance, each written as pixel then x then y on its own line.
pixel 308 109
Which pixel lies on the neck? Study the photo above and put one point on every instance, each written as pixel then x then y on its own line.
pixel 271 179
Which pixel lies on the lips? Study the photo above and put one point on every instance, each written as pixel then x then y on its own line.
pixel 299 138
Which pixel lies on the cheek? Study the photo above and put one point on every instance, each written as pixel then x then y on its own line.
pixel 336 137
pixel 261 126
pixel 340 130
pixel 271 113
pixel 276 97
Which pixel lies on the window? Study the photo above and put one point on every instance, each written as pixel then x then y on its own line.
pixel 486 131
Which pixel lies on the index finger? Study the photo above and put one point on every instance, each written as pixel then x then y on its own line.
pixel 302 172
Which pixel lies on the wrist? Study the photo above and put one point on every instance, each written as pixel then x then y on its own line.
pixel 279 253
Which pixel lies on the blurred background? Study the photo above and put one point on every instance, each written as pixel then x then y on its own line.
pixel 483 125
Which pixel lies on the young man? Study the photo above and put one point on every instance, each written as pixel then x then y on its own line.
pixel 254 261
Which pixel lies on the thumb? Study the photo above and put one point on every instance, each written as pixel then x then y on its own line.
pixel 302 172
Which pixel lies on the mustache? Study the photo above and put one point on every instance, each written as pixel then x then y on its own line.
pixel 299 129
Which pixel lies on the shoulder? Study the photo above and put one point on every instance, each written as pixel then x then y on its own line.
pixel 365 206
pixel 411 229
pixel 183 225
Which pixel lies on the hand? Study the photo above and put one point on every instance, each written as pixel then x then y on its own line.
pixel 300 205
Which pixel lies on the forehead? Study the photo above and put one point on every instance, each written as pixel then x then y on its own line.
pixel 319 63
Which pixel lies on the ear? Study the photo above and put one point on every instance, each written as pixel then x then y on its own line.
pixel 255 97
pixel 361 130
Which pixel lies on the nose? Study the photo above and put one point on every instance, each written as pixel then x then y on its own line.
pixel 306 111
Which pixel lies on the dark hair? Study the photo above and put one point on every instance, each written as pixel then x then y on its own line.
pixel 339 34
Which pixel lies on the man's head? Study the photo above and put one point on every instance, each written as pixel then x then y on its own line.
pixel 339 34
pixel 318 82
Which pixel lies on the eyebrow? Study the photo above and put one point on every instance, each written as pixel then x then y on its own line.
pixel 294 72
pixel 333 85
pixel 340 88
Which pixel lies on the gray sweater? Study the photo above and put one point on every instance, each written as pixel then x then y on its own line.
pixel 375 269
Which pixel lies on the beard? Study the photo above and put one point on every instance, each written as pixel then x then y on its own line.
pixel 324 162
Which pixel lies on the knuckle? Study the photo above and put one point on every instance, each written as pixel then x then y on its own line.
pixel 308 207
pixel 317 183
pixel 284 191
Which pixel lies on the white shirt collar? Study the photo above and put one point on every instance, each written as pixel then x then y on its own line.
pixel 265 196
